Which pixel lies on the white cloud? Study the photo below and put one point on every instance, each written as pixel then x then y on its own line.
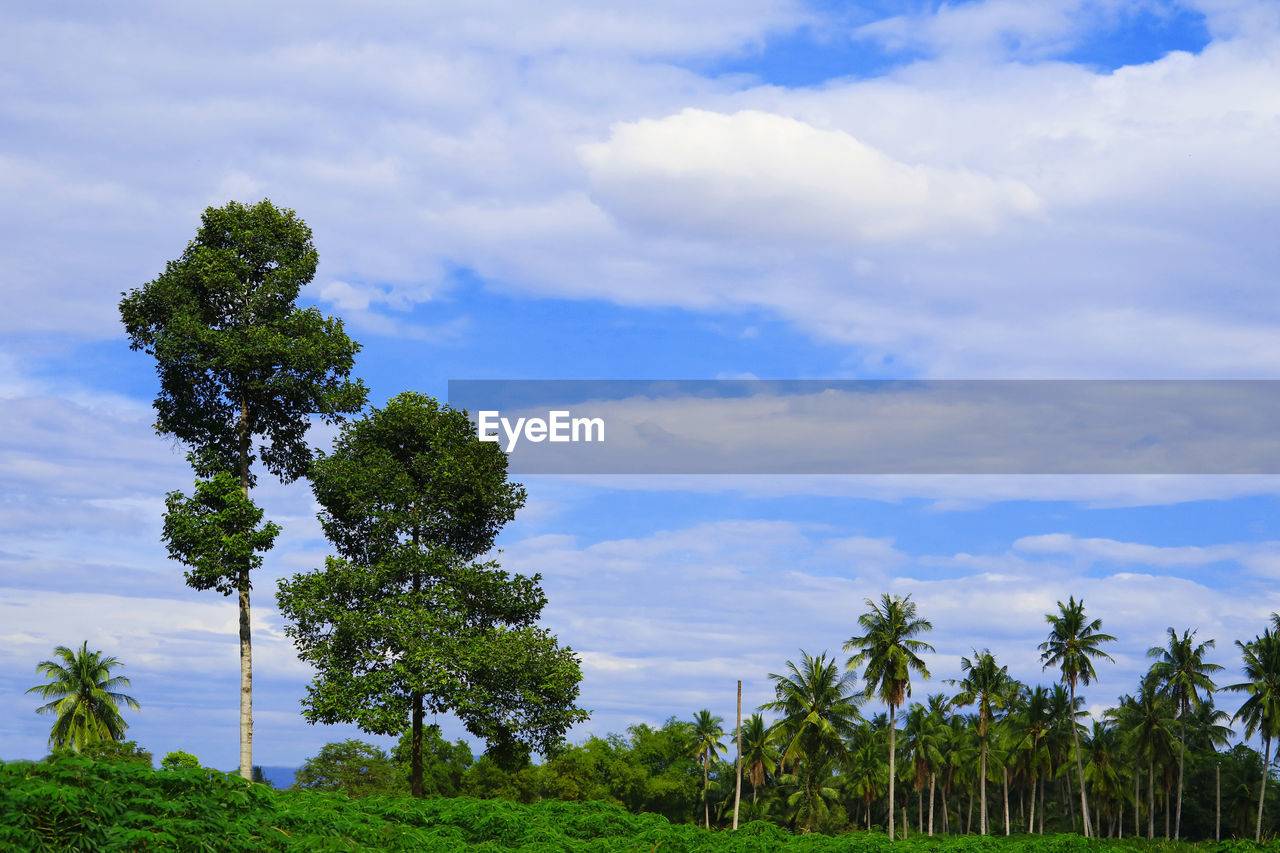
pixel 754 175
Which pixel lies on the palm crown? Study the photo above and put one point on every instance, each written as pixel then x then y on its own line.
pixel 84 697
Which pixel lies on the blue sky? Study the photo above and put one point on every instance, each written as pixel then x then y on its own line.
pixel 782 190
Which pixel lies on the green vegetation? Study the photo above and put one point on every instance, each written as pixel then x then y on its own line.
pixel 238 361
pixel 73 803
pixel 404 620
pixel 85 703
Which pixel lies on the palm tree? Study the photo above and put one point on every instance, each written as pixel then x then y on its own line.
pixel 1183 675
pixel 988 686
pixel 890 653
pixel 1261 711
pixel 865 772
pixel 1072 645
pixel 707 731
pixel 759 755
pixel 819 709
pixel 921 731
pixel 1033 722
pixel 84 698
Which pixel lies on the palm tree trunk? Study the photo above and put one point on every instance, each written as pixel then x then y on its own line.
pixel 1006 799
pixel 1071 806
pixel 1120 820
pixel 1262 794
pixel 946 817
pixel 1217 805
pixel 982 782
pixel 1182 759
pixel 1075 734
pixel 1031 824
pixel 1044 783
pixel 920 810
pixel 932 779
pixel 737 789
pixel 1137 801
pixel 1151 800
pixel 968 822
pixel 706 778
pixel 892 777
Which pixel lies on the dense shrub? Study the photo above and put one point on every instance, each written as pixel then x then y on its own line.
pixel 74 803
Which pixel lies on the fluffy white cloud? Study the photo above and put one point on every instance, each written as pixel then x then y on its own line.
pixel 754 175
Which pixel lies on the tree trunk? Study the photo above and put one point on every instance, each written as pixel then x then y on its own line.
pixel 946 817
pixel 706 779
pixel 1182 759
pixel 1031 824
pixel 1044 784
pixel 892 756
pixel 246 641
pixel 1168 809
pixel 1006 800
pixel 906 827
pixel 1151 800
pixel 1262 794
pixel 982 782
pixel 1217 807
pixel 968 821
pixel 1075 734
pixel 932 780
pixel 415 721
pixel 415 751
pixel 920 810
pixel 1071 805
pixel 246 683
pixel 737 789
pixel 1137 803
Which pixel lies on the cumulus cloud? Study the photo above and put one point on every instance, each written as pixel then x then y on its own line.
pixel 754 175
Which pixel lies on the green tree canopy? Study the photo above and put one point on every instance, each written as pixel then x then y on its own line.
pixel 85 702
pixel 405 621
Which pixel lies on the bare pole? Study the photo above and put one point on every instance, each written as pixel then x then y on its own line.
pixel 737 790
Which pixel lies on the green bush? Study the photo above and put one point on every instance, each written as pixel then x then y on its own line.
pixel 71 802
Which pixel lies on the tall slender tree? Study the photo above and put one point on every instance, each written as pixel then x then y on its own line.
pixel 1184 676
pixel 1260 713
pixel 707 731
pixel 1072 646
pixel 239 362
pixel 987 685
pixel 889 652
pixel 85 698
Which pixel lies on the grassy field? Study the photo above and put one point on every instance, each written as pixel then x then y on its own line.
pixel 73 803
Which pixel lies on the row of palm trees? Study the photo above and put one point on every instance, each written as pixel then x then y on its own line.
pixel 1024 737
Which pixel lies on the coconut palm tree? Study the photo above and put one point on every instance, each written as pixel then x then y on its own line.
pixel 1072 646
pixel 818 708
pixel 866 774
pixel 1184 677
pixel 84 696
pixel 1261 711
pixel 922 745
pixel 707 731
pixel 987 685
pixel 890 653
pixel 759 755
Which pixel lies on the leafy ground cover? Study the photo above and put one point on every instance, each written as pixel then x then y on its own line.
pixel 74 803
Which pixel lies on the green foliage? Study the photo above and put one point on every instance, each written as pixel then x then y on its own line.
pixel 403 621
pixel 353 767
pixel 72 803
pixel 110 750
pixel 179 760
pixel 216 532
pixel 85 702
pixel 236 358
